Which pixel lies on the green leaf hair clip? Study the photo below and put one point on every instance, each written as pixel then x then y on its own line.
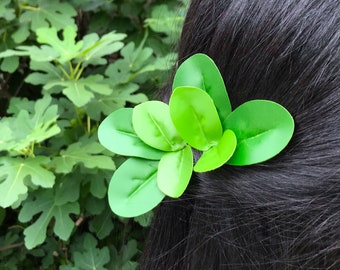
pixel 159 138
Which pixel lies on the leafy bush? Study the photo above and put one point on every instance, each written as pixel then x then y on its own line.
pixel 65 65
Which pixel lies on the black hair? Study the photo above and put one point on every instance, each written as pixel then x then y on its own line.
pixel 283 213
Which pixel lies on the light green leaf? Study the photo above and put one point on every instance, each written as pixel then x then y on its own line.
pixel 166 21
pixel 200 71
pixel 91 257
pixel 87 153
pixel 49 74
pixel 263 129
pixel 10 64
pixel 81 91
pixel 14 173
pixel 44 203
pixel 152 123
pixel 174 172
pixel 94 48
pixel 43 53
pixel 67 48
pixel 27 128
pixel 6 12
pixel 117 135
pixel 121 94
pixel 217 155
pixel 195 117
pixel 133 189
pixel 49 13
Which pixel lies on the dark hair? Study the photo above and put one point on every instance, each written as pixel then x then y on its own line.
pixel 283 213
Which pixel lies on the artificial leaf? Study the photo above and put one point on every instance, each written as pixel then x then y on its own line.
pixel 152 123
pixel 87 153
pixel 80 92
pixel 263 129
pixel 28 127
pixel 133 189
pixel 174 172
pixel 219 154
pixel 67 48
pixel 49 13
pixel 200 71
pixel 117 135
pixel 94 48
pixel 195 117
pixel 91 257
pixel 44 203
pixel 14 173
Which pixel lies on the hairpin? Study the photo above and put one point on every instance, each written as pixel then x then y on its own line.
pixel 159 137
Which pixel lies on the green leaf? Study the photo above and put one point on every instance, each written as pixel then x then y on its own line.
pixel 174 172
pixel 27 128
pixel 87 153
pixel 117 135
pixel 164 20
pixel 152 123
pixel 121 94
pixel 10 64
pixel 50 74
pixel 102 224
pixel 219 154
pixel 6 12
pixel 49 13
pixel 263 129
pixel 133 189
pixel 14 173
pixel 145 219
pixel 80 92
pixel 195 117
pixel 40 54
pixel 94 48
pixel 122 260
pixel 44 203
pixel 200 71
pixel 91 257
pixel 67 48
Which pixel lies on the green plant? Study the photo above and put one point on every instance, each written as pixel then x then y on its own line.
pixel 65 66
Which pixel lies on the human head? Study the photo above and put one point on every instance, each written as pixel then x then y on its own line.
pixel 283 213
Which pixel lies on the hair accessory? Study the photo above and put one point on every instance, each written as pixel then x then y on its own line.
pixel 160 137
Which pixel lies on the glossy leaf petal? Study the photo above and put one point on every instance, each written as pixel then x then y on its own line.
pixel 152 123
pixel 195 117
pixel 174 172
pixel 117 134
pixel 217 155
pixel 200 71
pixel 133 189
pixel 263 129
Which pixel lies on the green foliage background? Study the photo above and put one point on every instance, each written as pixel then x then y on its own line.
pixel 65 65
